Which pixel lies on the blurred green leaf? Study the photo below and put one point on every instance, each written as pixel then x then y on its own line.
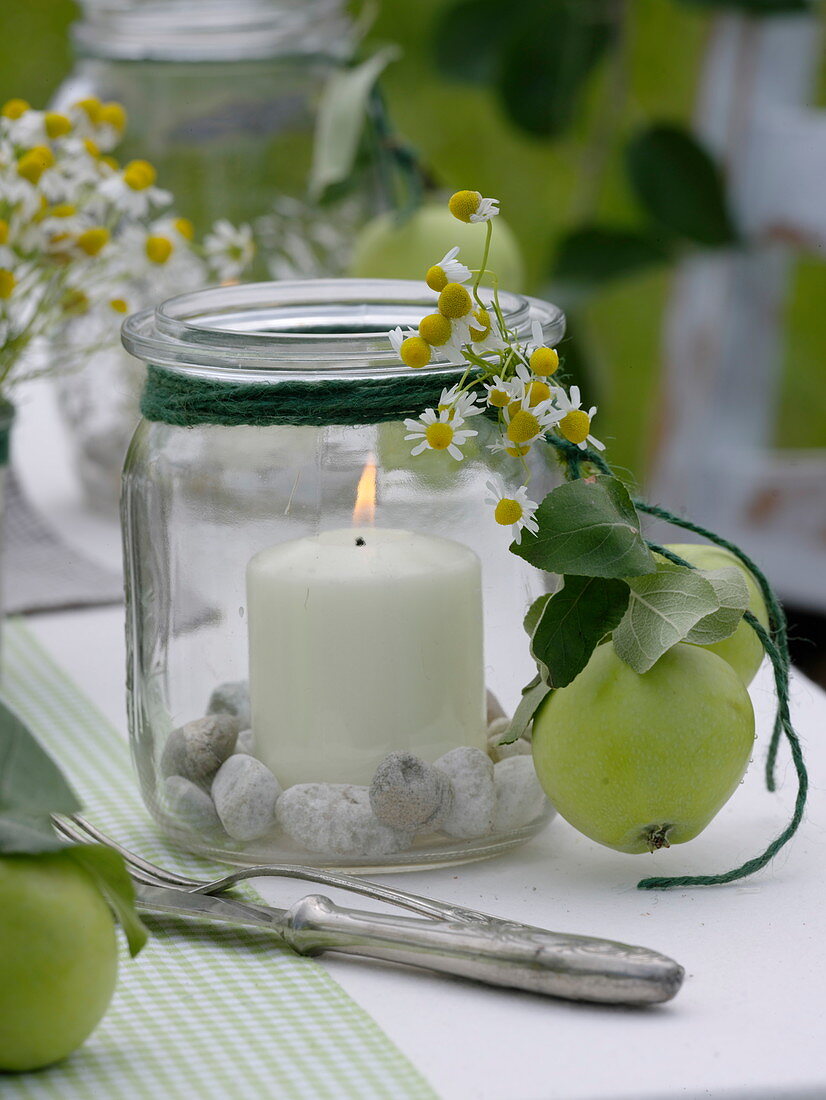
pixel 547 59
pixel 30 781
pixel 595 254
pixel 755 7
pixel 107 868
pixel 680 186
pixel 468 39
pixel 22 834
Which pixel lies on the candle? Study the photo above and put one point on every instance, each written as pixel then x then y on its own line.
pixel 363 641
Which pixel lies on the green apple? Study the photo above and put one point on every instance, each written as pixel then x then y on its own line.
pixel 640 762
pixel 742 649
pixel 385 249
pixel 58 959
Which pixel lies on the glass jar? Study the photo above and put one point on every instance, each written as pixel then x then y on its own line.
pixel 305 595
pixel 222 99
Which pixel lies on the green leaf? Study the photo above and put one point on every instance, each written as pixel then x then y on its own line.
pixel 595 254
pixel 468 39
pixel 532 698
pixel 572 624
pixel 31 783
pixel 756 7
pixel 107 868
pixel 662 609
pixel 680 186
pixel 534 613
pixel 22 834
pixel 552 50
pixel 732 593
pixel 587 528
pixel 340 121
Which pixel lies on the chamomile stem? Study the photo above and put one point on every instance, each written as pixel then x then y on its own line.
pixel 480 273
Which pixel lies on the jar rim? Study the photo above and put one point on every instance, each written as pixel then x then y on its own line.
pixel 319 328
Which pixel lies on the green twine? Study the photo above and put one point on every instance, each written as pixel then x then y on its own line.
pixel 775 644
pixel 186 401
pixel 6 419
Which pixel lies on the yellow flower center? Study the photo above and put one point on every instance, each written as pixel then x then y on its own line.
pixel 91 241
pixel 500 399
pixel 4 230
pixel 158 249
pixel 119 305
pixel 75 301
pixel 415 352
pixel 139 174
pixel 544 361
pixel 439 435
pixel 483 317
pixel 33 164
pixel 91 107
pixel 436 278
pixel 575 426
pixel 113 114
pixel 435 329
pixel 14 108
pixel 110 162
pixel 63 210
pixel 538 392
pixel 185 228
pixel 517 452
pixel 454 301
pixel 57 125
pixel 523 427
pixel 463 204
pixel 508 512
pixel 92 147
pixel 7 282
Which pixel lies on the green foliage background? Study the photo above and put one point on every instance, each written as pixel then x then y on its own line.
pixel 546 187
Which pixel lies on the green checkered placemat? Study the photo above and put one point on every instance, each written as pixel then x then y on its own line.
pixel 204 1011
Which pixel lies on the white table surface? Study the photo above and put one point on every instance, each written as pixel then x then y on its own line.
pixel 750 1020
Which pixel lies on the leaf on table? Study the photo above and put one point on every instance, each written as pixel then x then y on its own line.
pixel 31 783
pixel 553 48
pixel 595 254
pixel 22 834
pixel 573 622
pixel 532 698
pixel 732 593
pixel 587 528
pixel 662 609
pixel 107 868
pixel 341 115
pixel 680 186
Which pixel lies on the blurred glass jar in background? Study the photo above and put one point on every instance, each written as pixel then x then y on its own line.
pixel 222 99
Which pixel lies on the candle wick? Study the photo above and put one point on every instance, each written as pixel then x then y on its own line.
pixel 360 541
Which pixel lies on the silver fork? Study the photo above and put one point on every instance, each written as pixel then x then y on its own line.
pixel 454 940
pixel 77 829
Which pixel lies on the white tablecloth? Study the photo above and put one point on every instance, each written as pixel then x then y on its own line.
pixel 751 1019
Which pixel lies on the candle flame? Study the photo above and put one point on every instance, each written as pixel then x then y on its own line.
pixel 364 513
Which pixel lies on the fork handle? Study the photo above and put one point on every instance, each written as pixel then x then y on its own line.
pixel 578 968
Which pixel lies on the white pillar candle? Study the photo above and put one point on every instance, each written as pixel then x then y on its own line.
pixel 362 642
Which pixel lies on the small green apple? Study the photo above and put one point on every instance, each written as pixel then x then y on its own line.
pixel 58 959
pixel 742 649
pixel 387 250
pixel 639 762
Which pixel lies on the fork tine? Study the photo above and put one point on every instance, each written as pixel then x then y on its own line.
pixel 160 875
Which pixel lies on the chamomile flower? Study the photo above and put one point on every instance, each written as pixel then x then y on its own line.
pixel 529 389
pixel 456 303
pixel 525 424
pixel 438 432
pixel 574 423
pixel 458 404
pixel 447 270
pixel 470 206
pixel 514 510
pixel 132 191
pixel 499 392
pixel 229 249
pixel 410 347
pixel 542 359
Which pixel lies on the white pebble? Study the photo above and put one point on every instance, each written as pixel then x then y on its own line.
pixel 336 818
pixel 233 698
pixel 474 797
pixel 519 796
pixel 245 743
pixel 197 750
pixel 410 795
pixel 190 805
pixel 245 793
pixel 496 730
pixel 494 708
